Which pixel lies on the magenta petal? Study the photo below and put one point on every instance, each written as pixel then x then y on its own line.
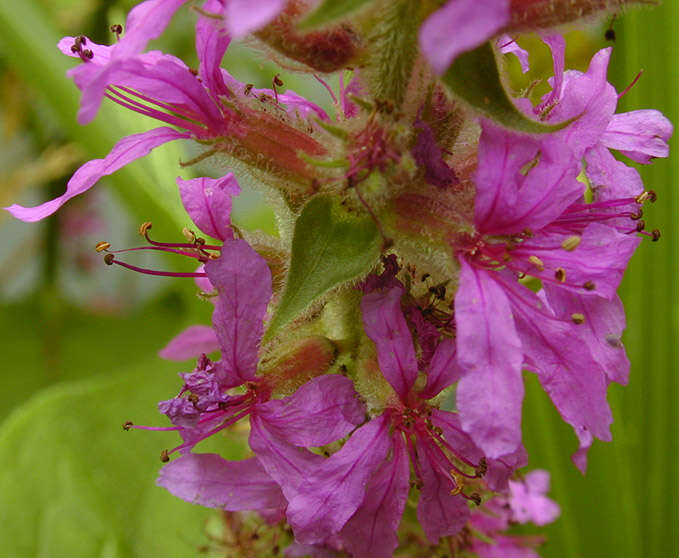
pixel 444 369
pixel 509 198
pixel 208 203
pixel 459 26
pixel 192 342
pixel 384 323
pixel 439 512
pixel 610 178
pixel 288 465
pixel 125 151
pixel 490 394
pixel 572 378
pixel 528 499
pixel 323 410
pixel 335 490
pixel 507 45
pixel 208 480
pixel 243 281
pixel 211 44
pixel 244 16
pixel 557 45
pixel 371 531
pixel 601 330
pixel 640 134
pixel 145 22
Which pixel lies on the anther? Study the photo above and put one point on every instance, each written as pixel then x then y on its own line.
pixel 248 88
pixel 145 227
pixel 578 318
pixel 87 53
pixel 589 285
pixel 164 456
pixel 109 259
pixel 638 215
pixel 482 468
pixel 75 49
pixel 537 262
pixel 102 246
pixel 614 341
pixel 656 235
pixel 117 29
pixel 648 195
pixel 641 225
pixel 571 243
pixel 193 398
pixel 476 498
pixel 277 80
pixel 127 425
pixel 560 274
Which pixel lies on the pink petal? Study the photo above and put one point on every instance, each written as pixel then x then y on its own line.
pixel 459 26
pixel 321 411
pixel 385 325
pixel 125 151
pixel 507 45
pixel 610 178
pixel 528 499
pixel 243 280
pixel 444 369
pixel 439 512
pixel 641 135
pixel 602 329
pixel 490 394
pixel 335 490
pixel 557 45
pixel 244 16
pixel 145 22
pixel 371 532
pixel 208 203
pixel 288 465
pixel 568 372
pixel 208 480
pixel 211 44
pixel 192 342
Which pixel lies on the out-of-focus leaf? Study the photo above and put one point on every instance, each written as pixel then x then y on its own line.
pixel 474 77
pixel 28 44
pixel 329 248
pixel 74 484
pixel 329 11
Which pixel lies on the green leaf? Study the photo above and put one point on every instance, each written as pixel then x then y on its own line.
pixel 74 484
pixel 474 77
pixel 329 248
pixel 28 44
pixel 330 11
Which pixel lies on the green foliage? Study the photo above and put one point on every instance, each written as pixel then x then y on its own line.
pixel 75 484
pixel 330 11
pixel 474 77
pixel 329 248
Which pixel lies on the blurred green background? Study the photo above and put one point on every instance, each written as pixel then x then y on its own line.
pixel 79 339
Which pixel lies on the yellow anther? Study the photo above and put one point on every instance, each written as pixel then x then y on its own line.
pixel 102 246
pixel 571 243
pixel 537 262
pixel 578 318
pixel 560 274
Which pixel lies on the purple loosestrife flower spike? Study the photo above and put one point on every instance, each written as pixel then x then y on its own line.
pixel 360 491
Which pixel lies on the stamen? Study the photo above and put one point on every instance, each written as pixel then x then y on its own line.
pixel 571 243
pixel 127 425
pixel 656 235
pixel 102 246
pixel 560 274
pixel 578 318
pixel 164 456
pixel 634 81
pixel 537 262
pixel 589 285
pixel 327 87
pixel 109 259
pixel 248 88
pixel 117 29
pixel 648 195
pixel 275 83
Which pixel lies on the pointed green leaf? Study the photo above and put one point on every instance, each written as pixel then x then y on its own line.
pixel 474 77
pixel 74 484
pixel 329 248
pixel 330 11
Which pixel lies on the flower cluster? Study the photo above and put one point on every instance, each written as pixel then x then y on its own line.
pixel 436 238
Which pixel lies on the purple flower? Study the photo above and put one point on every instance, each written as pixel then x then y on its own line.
pixel 531 218
pixel 361 491
pixel 162 87
pixel 458 26
pixel 321 411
